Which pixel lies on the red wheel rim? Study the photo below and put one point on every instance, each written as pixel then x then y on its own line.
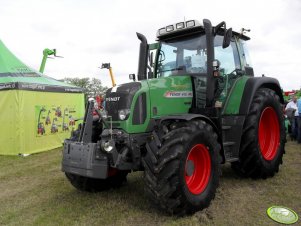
pixel 197 169
pixel 269 133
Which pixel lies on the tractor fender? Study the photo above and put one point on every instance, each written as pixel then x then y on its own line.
pixel 252 85
pixel 188 117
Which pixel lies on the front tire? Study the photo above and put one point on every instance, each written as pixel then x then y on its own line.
pixel 182 168
pixel 263 138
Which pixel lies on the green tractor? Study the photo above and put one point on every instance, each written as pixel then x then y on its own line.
pixel 195 105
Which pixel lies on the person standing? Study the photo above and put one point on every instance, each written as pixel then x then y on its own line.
pixel 299 120
pixel 291 111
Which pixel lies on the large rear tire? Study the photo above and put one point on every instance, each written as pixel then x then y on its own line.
pixel 182 167
pixel 263 138
pixel 117 179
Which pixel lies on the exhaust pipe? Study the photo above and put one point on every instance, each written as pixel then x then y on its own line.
pixel 143 56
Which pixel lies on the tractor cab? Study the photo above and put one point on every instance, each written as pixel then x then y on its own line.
pixel 216 56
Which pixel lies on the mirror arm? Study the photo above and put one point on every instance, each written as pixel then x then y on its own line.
pixel 220 25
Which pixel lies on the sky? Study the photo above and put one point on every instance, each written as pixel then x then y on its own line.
pixel 88 33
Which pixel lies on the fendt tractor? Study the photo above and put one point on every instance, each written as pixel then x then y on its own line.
pixel 194 105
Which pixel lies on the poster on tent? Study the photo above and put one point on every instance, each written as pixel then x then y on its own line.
pixel 55 119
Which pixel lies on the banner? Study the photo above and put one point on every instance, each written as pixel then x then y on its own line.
pixel 33 121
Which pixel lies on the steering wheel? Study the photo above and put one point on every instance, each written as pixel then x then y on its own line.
pixel 233 74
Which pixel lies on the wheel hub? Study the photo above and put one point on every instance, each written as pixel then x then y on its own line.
pixel 198 169
pixel 189 168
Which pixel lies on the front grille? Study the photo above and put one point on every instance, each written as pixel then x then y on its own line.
pixel 120 98
pixel 112 110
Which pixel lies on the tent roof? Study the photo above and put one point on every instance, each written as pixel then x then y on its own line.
pixel 10 65
pixel 14 74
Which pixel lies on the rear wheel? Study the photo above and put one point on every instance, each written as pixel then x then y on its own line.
pixel 116 179
pixel 182 168
pixel 263 138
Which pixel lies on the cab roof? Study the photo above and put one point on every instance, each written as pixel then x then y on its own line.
pixel 189 27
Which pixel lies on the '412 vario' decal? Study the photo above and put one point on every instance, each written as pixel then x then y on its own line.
pixel 178 94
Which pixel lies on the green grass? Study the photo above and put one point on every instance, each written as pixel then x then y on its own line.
pixel 33 191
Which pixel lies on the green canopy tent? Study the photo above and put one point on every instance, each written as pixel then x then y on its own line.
pixel 37 112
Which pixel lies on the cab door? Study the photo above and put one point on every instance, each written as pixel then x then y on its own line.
pixel 230 67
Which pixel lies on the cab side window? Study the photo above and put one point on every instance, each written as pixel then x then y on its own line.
pixel 228 57
pixel 245 54
pixel 229 64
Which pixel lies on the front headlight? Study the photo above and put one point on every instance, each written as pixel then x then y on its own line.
pixel 123 114
pixel 108 146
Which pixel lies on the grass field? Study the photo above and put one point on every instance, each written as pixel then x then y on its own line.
pixel 33 191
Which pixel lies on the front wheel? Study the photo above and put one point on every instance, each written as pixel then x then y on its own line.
pixel 263 138
pixel 182 169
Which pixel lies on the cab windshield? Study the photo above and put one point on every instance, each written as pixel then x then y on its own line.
pixel 182 56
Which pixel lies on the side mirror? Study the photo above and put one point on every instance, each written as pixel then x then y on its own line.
pixel 227 38
pixel 132 77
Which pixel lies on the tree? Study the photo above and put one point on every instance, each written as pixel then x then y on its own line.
pixel 91 88
pixel 96 88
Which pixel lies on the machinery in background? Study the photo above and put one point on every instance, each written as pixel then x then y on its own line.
pixel 46 54
pixel 108 66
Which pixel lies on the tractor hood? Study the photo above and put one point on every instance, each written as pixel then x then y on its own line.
pixel 120 97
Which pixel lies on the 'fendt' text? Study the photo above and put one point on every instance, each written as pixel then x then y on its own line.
pixel 112 98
